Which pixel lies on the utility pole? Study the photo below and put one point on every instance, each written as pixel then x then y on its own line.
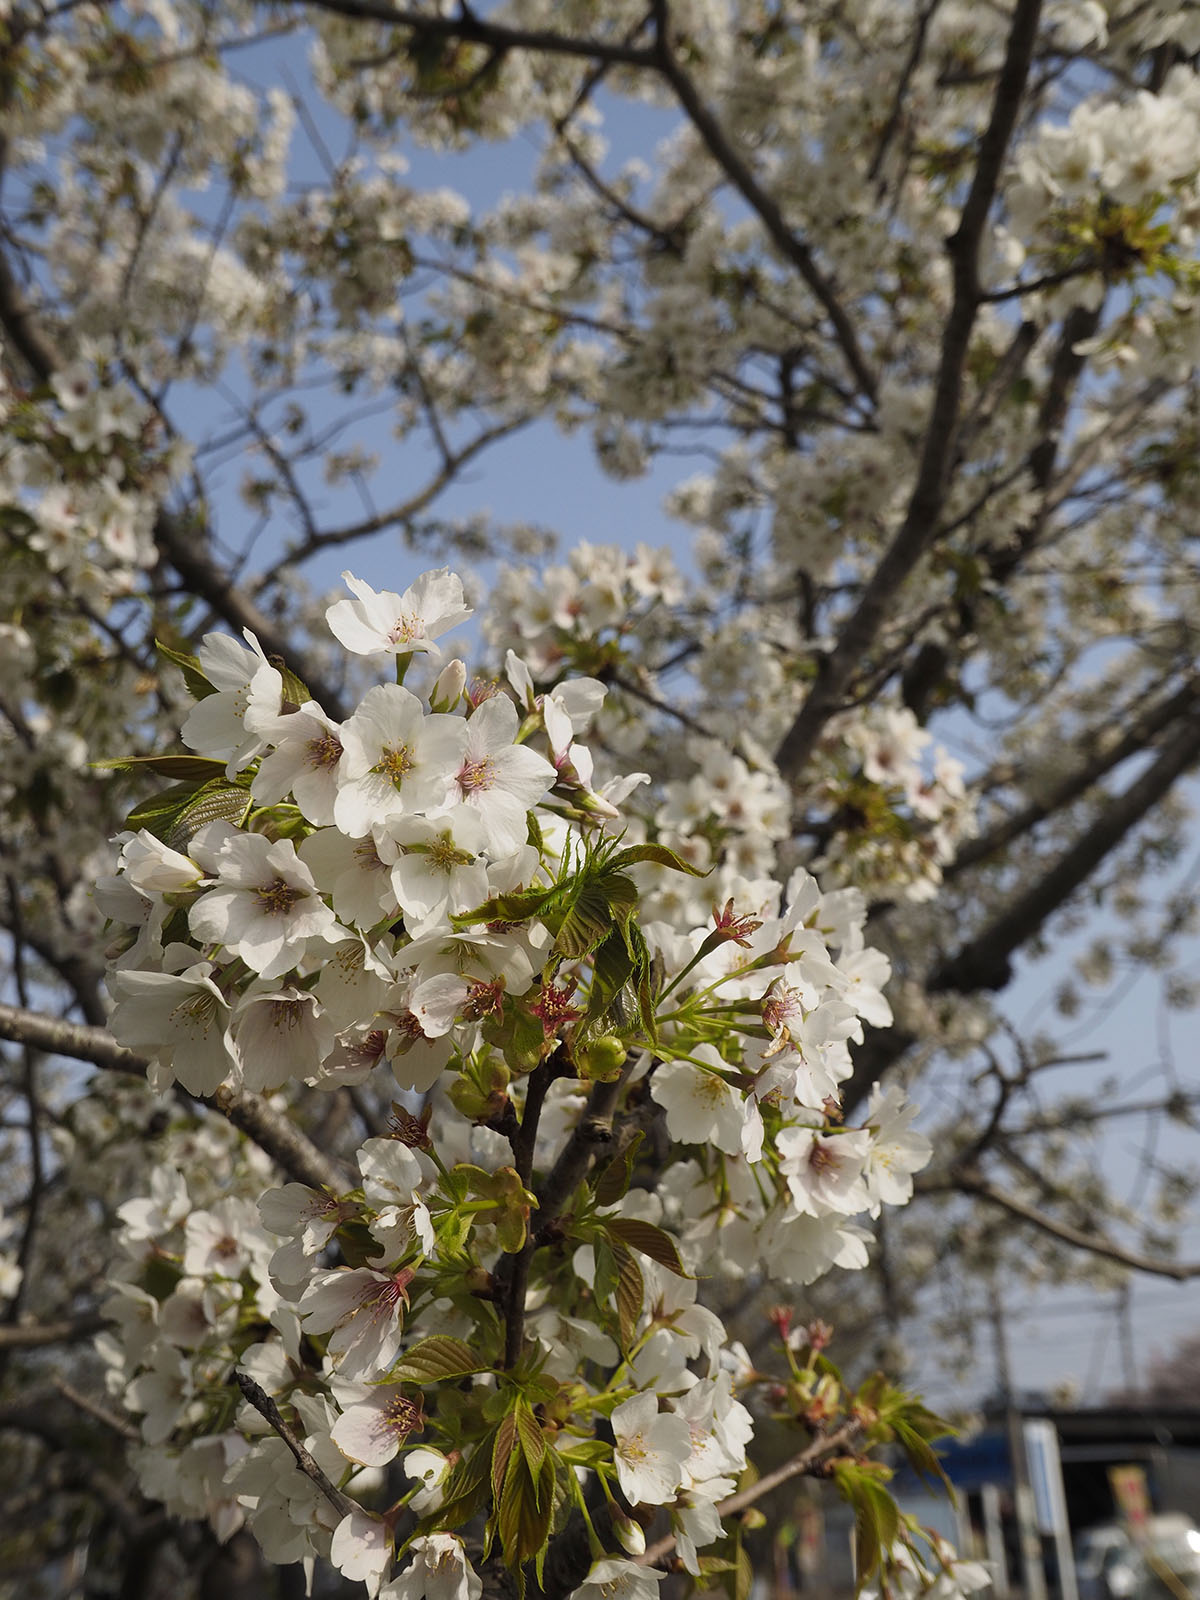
pixel 1125 1335
pixel 1033 1572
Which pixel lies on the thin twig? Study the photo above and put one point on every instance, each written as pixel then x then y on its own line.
pixel 823 1445
pixel 1098 1244
pixel 256 1396
pixel 98 1412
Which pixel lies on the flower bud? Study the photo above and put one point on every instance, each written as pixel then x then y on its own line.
pixel 447 691
pixel 601 1059
pixel 631 1534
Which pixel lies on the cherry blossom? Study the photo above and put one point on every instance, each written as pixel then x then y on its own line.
pixel 386 623
pixel 264 905
pixel 651 1451
pixel 362 1311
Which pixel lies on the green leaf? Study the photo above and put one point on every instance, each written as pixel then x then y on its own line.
pixel 585 1452
pixel 198 768
pixel 506 1438
pixel 643 987
pixel 649 1241
pixel 613 1182
pixel 519 906
pixel 524 1510
pixel 876 1515
pixel 922 1456
pixel 743 1579
pixel 607 1274
pixel 533 1440
pixel 198 685
pixel 631 1292
pixel 295 691
pixel 587 922
pixel 612 968
pixel 175 814
pixel 660 855
pixel 437 1358
pixel 215 802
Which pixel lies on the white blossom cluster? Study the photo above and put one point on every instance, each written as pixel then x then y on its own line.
pixel 321 930
pixel 80 481
pixel 732 811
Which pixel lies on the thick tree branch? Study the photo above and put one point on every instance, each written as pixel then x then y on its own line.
pixel 250 1113
pixel 496 36
pixel 23 327
pixel 1136 738
pixel 920 525
pixel 33 1335
pixel 517 1284
pixel 985 962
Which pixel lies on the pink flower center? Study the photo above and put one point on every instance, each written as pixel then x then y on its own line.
pixel 822 1159
pixel 476 776
pixel 406 628
pixel 401 1416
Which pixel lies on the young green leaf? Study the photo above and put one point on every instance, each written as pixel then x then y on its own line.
pixel 649 1241
pixel 613 1181
pixel 631 1292
pixel 175 814
pixel 197 684
pixel 199 769
pixel 660 855
pixel 436 1358
pixel 502 1449
pixel 533 1440
pixel 612 968
pixel 466 1491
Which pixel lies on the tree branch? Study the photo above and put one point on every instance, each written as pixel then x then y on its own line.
pixel 539 1081
pixel 974 1183
pixel 250 1113
pixel 984 963
pixel 496 36
pixel 921 520
pixel 183 545
pixel 256 1396
pixel 32 1335
pixel 823 1445
pixel 1135 739
pixel 766 208
pixel 98 1413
